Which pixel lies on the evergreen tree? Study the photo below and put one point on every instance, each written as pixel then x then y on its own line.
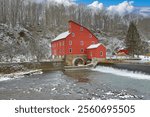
pixel 133 41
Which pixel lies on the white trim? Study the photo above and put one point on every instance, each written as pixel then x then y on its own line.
pixel 70 42
pixel 90 35
pixel 82 43
pixel 101 53
pixel 81 28
pixel 70 50
pixel 73 34
pixel 82 50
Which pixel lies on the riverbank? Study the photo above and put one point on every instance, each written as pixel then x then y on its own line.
pixel 7 68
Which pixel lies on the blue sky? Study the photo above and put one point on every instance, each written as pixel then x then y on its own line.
pixel 139 3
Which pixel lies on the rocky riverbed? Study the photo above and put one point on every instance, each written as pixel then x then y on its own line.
pixel 92 84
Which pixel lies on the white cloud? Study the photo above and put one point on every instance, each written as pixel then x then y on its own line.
pixel 145 11
pixel 96 5
pixel 122 8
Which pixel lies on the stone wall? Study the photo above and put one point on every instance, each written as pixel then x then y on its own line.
pixel 45 66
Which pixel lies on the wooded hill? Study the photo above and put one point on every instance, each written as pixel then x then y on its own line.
pixel 26 28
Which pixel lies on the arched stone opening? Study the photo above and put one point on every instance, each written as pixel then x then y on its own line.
pixel 78 61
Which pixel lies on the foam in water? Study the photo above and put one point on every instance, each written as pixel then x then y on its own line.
pixel 120 72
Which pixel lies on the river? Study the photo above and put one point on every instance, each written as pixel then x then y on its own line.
pixel 101 83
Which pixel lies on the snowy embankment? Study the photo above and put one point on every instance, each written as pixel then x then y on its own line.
pixel 122 72
pixel 4 77
pixel 144 58
pixel 140 59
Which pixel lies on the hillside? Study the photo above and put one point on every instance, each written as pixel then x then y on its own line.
pixel 26 35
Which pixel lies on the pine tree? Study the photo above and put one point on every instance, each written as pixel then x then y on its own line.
pixel 133 41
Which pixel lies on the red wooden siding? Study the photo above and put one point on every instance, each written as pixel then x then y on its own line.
pixel 75 42
pixel 99 52
pixel 58 47
pixel 81 38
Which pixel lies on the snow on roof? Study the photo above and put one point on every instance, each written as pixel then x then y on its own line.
pixel 94 46
pixel 62 36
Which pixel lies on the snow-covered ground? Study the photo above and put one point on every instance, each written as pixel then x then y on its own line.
pixel 144 59
pixel 11 76
pixel 117 57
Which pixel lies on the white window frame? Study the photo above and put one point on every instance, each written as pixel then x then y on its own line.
pixel 81 43
pixel 93 42
pixel 63 43
pixel 70 42
pixel 73 34
pixel 82 50
pixel 91 54
pixel 81 28
pixel 70 50
pixel 101 53
pixel 90 35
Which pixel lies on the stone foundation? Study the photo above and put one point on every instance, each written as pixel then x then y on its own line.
pixel 69 59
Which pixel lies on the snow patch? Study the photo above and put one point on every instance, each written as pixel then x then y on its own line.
pixel 144 59
pixel 62 36
pixel 64 2
pixel 5 77
pixel 94 46
pixel 109 93
pixel 2 78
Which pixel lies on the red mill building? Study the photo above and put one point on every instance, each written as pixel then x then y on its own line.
pixel 77 45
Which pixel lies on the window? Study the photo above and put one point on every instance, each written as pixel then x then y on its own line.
pixel 59 43
pixel 91 54
pixel 93 42
pixel 81 43
pixel 63 43
pixel 70 42
pixel 82 50
pixel 81 28
pixel 101 53
pixel 90 35
pixel 70 26
pixel 70 50
pixel 73 34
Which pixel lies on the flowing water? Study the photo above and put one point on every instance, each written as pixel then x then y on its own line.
pixel 101 83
